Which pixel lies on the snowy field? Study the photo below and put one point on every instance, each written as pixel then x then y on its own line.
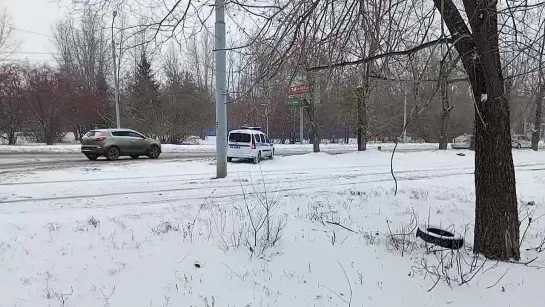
pixel 311 230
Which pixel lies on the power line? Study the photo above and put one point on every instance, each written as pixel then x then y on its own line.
pixel 29 52
pixel 31 32
pixel 25 60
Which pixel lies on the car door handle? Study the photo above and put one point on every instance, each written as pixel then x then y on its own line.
pixel 132 141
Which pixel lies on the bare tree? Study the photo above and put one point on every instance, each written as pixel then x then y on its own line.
pixel 496 213
pixel 83 48
pixel 7 45
pixel 13 104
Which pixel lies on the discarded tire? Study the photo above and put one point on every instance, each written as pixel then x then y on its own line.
pixel 437 236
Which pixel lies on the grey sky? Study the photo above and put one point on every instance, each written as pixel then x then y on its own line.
pixel 35 16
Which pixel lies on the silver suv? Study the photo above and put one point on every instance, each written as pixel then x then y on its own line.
pixel 114 143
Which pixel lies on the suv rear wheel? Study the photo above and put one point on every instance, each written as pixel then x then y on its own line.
pixel 92 157
pixel 112 154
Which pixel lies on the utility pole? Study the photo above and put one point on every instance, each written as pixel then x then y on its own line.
pixel 221 92
pixel 116 81
pixel 405 119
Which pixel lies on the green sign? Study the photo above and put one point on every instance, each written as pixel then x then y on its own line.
pixel 293 101
pixel 297 92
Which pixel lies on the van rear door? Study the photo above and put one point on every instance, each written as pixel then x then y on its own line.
pixel 240 142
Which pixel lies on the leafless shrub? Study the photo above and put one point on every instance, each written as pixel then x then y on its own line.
pixel 93 222
pixel 403 239
pixel 52 227
pixel 419 194
pixel 451 266
pixel 317 212
pixel 255 223
pixel 228 224
pixel 164 228
pixel 371 237
pixel 264 224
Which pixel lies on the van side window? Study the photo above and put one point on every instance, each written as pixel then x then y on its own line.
pixel 267 140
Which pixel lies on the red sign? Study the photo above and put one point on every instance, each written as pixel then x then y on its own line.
pixel 299 89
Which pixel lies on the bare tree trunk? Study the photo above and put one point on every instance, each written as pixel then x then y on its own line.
pixel 496 212
pixel 536 134
pixel 445 115
pixel 362 118
pixel 310 106
pixel 12 137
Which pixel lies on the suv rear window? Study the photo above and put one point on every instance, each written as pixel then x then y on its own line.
pixel 93 133
pixel 239 137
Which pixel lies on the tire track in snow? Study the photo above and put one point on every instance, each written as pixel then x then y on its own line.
pixel 197 184
pixel 303 185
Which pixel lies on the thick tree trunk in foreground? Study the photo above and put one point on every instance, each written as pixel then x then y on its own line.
pixel 496 215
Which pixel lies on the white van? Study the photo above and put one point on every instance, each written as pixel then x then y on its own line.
pixel 249 143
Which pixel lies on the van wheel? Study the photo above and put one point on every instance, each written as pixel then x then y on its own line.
pixel 258 158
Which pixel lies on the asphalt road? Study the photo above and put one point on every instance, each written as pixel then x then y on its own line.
pixel 11 162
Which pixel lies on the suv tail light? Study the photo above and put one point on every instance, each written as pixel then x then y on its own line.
pixel 253 143
pixel 100 138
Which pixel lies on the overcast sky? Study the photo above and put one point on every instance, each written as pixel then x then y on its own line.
pixel 32 20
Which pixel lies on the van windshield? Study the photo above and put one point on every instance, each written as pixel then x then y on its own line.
pixel 239 137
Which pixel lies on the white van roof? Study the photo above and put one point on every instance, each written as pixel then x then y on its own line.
pixel 247 131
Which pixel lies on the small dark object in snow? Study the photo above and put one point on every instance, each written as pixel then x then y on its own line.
pixel 461 154
pixel 440 237
pixel 379 148
pixel 531 203
pixel 197 265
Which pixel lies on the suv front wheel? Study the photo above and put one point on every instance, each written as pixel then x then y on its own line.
pixel 154 152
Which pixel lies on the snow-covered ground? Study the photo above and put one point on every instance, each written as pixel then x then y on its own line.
pixel 159 233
